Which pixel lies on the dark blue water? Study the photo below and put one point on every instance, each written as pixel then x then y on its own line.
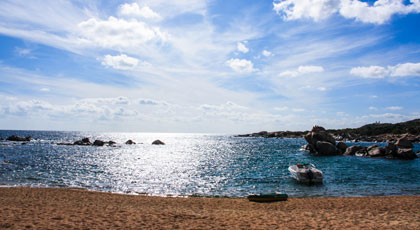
pixel 194 164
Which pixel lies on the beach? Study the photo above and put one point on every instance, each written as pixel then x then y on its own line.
pixel 57 208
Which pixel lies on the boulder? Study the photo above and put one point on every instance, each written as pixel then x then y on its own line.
pixel 350 151
pixel 130 142
pixel 404 142
pixel 318 139
pixel 390 149
pixel 325 148
pixel 376 152
pixel 405 154
pixel 342 146
pixel 98 143
pixel 361 152
pixel 158 142
pixel 371 147
pixel 84 141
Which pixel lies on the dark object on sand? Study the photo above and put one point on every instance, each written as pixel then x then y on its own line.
pixel 270 197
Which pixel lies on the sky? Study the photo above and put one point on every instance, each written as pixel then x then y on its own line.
pixel 204 66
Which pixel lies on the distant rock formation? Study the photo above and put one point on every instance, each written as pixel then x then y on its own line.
pixel 16 138
pixel 158 142
pixel 86 142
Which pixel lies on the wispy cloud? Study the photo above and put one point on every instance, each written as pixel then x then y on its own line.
pixel 301 70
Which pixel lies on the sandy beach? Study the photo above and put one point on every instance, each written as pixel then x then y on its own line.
pixel 39 208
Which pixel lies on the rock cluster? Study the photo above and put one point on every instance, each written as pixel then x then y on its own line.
pixel 86 141
pixel 320 142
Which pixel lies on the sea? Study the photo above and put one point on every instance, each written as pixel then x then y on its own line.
pixel 202 165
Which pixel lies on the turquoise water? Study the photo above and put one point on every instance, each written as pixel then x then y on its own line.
pixel 194 164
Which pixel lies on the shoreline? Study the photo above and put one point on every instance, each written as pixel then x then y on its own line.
pixel 70 208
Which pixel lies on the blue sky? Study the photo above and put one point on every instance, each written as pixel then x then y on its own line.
pixel 208 66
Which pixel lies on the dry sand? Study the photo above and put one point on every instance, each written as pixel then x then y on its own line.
pixel 37 208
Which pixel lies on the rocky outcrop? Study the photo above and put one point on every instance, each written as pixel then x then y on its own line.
pixel 16 138
pixel 320 142
pixel 158 142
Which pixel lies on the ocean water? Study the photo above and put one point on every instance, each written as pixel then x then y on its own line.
pixel 194 165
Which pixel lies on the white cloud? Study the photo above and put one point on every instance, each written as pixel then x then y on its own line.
pixel 311 9
pixel 119 33
pixel 379 12
pixel 406 69
pixel 133 10
pixel 122 62
pixel 372 108
pixel 241 65
pixel 242 48
pixel 267 53
pixel 44 89
pixel 394 108
pixel 302 70
pixel 370 72
pixel 400 70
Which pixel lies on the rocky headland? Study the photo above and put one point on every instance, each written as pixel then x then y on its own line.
pixel 322 143
pixel 399 139
pixel 376 132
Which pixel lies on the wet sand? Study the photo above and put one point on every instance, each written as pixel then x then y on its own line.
pixel 37 208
